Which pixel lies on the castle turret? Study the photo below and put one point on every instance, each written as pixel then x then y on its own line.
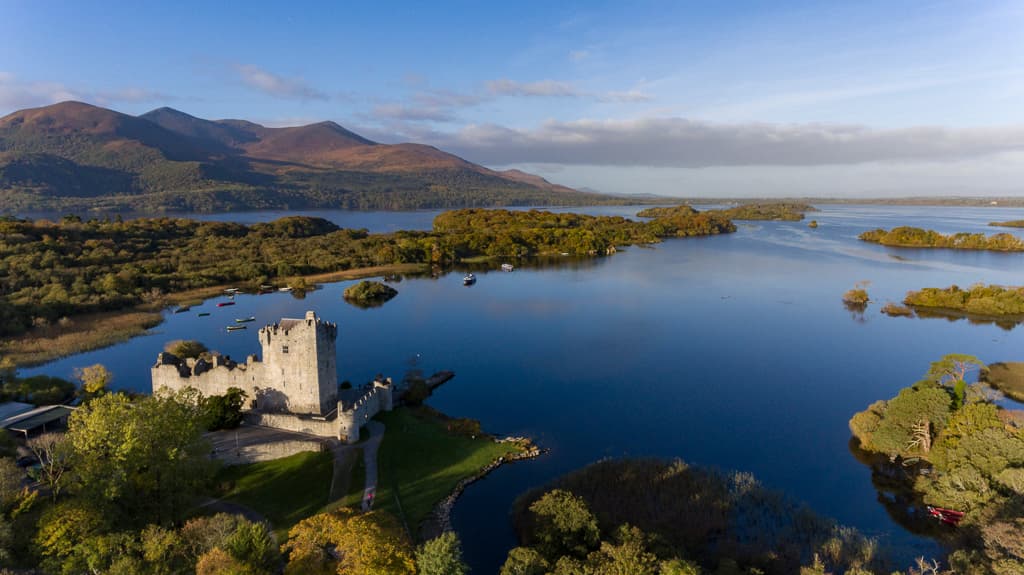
pixel 299 355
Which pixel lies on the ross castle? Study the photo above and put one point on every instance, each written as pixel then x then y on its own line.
pixel 294 387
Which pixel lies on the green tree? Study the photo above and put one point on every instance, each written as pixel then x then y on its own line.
pixel 441 556
pixel 143 461
pixel 564 525
pixel 224 411
pixel 951 371
pixel 11 477
pixel 524 561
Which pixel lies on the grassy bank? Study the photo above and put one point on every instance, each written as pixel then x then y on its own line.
pixel 285 490
pixel 83 333
pixel 421 460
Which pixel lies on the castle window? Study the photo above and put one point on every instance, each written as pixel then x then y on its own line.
pixel 284 349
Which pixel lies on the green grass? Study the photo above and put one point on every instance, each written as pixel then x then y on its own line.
pixel 285 490
pixel 420 462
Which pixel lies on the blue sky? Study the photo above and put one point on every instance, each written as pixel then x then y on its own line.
pixel 683 98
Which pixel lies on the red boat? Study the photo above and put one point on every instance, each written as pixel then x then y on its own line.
pixel 224 303
pixel 947 516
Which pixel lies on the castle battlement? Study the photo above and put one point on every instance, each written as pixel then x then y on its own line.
pixel 294 384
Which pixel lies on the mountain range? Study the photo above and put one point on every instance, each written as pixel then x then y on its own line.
pixel 76 156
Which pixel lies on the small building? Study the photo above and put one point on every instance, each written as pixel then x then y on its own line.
pixel 39 419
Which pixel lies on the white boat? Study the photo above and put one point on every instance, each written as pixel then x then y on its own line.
pixel 507 267
pixel 285 289
pixel 469 280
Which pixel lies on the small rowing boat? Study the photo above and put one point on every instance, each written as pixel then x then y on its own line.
pixel 245 319
pixel 204 314
pixel 225 303
pixel 237 327
pixel 947 516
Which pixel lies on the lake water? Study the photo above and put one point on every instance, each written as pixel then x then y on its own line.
pixel 733 351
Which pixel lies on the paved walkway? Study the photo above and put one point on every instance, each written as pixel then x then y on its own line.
pixel 370 448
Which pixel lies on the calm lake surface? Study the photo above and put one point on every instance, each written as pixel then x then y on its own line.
pixel 733 351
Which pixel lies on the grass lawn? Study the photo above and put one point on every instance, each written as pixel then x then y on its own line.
pixel 285 490
pixel 1008 378
pixel 420 461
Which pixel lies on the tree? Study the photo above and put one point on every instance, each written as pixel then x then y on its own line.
pixel 185 348
pixel 565 525
pixel 11 487
pixel 219 562
pixel 951 370
pixel 51 449
pixel 441 556
pixel 144 460
pixel 344 541
pixel 94 379
pixel 63 528
pixel 224 411
pixel 524 561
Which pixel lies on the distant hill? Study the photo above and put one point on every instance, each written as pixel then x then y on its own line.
pixel 75 156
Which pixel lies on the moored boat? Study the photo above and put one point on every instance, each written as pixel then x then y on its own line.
pixel 225 303
pixel 245 319
pixel 237 327
pixel 507 267
pixel 469 279
pixel 204 314
pixel 182 309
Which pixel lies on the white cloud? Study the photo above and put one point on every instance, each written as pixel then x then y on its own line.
pixel 16 94
pixel 277 86
pixel 627 96
pixel 410 113
pixel 677 142
pixel 542 88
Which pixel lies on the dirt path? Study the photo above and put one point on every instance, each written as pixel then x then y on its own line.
pixel 370 449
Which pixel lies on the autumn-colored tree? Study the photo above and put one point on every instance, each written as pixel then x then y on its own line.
pixel 94 379
pixel 347 542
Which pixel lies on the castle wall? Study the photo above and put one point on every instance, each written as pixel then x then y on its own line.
pixel 292 422
pixel 267 451
pixel 209 378
pixel 352 417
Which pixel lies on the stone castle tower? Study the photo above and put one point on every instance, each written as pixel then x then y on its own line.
pixel 294 386
pixel 299 356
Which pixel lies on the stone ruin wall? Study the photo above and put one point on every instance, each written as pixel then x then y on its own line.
pixel 213 377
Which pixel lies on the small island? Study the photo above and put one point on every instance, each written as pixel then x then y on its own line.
pixel 772 211
pixel 991 301
pixel 1009 224
pixel 946 455
pixel 369 293
pixel 1007 377
pixel 910 237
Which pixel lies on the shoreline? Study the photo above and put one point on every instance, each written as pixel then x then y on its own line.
pixel 89 332
pixel 440 519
